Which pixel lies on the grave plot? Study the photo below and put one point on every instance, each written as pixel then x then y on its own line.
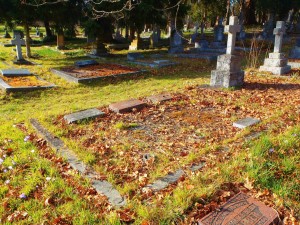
pixel 89 70
pixel 136 149
pixel 21 80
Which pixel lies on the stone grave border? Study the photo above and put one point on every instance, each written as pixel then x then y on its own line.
pixel 7 88
pixel 212 57
pixel 294 65
pixel 70 78
pixel 153 64
pixel 103 187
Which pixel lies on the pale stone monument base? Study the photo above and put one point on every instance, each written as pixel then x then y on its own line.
pixel 276 64
pixel 228 72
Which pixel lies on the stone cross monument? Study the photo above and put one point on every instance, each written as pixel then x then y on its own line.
pixel 233 28
pixel 228 72
pixel 18 42
pixel 277 63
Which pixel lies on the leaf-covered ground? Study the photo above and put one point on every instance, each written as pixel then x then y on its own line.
pixel 39 187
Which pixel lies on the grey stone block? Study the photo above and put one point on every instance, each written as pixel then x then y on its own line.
pixel 84 63
pixel 227 79
pixel 83 115
pixel 275 55
pixel 15 72
pixel 228 62
pixel 159 98
pixel 276 70
pixel 294 65
pixel 275 62
pixel 243 123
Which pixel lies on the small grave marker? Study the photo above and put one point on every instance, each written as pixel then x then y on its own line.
pixel 159 98
pixel 15 72
pixel 84 63
pixel 127 106
pixel 242 210
pixel 83 115
pixel 243 123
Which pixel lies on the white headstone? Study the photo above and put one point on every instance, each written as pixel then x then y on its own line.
pixel 233 28
pixel 18 42
pixel 279 31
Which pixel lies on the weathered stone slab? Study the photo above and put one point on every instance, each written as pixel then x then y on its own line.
pixel 83 115
pixel 242 210
pixel 84 63
pixel 15 72
pixel 159 98
pixel 102 187
pixel 166 181
pixel 155 63
pixel 127 106
pixel 134 56
pixel 243 123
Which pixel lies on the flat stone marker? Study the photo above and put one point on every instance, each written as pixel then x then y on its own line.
pixel 159 98
pixel 127 106
pixel 15 73
pixel 83 115
pixel 166 181
pixel 242 210
pixel 243 123
pixel 84 63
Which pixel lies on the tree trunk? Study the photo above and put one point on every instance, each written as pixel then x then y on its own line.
pixel 27 39
pixel 60 39
pixel 250 18
pixel 47 27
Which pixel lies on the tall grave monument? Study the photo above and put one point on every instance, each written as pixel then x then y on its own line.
pixel 228 72
pixel 277 62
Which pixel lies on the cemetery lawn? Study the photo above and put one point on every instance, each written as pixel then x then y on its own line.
pixel 195 127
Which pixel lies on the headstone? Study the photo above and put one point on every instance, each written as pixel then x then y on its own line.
pixel 18 42
pixel 277 63
pixel 6 35
pixel 135 44
pixel 295 52
pixel 267 32
pixel 242 34
pixel 21 33
pixel 83 115
pixel 159 98
pixel 15 72
pixel 37 31
pixel 228 72
pixel 218 35
pixel 154 38
pixel 242 210
pixel 176 45
pixel 127 106
pixel 60 41
pixel 134 56
pixel 244 123
pixel 289 21
pixel 84 63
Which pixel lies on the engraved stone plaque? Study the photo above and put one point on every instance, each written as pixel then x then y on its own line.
pixel 127 106
pixel 242 210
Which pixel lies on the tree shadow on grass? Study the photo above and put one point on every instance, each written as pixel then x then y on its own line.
pixel 276 86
